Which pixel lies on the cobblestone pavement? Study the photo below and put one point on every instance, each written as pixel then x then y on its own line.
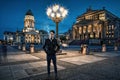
pixel 108 69
pixel 72 66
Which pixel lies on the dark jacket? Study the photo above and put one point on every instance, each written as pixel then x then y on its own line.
pixel 51 46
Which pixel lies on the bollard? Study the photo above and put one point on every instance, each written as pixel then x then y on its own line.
pixel 115 48
pixel 103 48
pixel 23 47
pixel 32 48
pixel 85 50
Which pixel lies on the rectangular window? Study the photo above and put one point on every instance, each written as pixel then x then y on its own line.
pixel 113 27
pixel 102 16
pixel 112 35
pixel 91 35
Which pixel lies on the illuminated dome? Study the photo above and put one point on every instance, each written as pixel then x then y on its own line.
pixel 29 15
pixel 29 21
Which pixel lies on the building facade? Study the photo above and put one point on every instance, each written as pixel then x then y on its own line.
pixel 43 35
pixel 9 37
pixel 97 27
pixel 28 35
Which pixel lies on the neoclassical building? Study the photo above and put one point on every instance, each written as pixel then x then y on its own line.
pixel 28 35
pixel 31 34
pixel 96 27
pixel 9 37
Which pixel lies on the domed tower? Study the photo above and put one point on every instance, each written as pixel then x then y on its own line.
pixel 29 22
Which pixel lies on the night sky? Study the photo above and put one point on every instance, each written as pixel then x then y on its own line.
pixel 12 12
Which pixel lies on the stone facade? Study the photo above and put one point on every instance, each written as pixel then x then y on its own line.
pixel 97 27
pixel 31 34
pixel 28 35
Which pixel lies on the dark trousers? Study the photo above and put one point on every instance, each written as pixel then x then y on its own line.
pixel 53 58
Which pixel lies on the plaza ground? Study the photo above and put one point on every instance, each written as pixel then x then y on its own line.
pixel 71 66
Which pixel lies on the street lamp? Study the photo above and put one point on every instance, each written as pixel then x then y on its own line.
pixel 56 13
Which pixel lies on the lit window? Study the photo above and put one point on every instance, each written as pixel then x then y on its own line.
pixel 91 35
pixel 94 29
pixel 88 17
pixel 97 36
pixel 102 16
pixel 109 35
pixel 107 32
pixel 112 35
pixel 112 26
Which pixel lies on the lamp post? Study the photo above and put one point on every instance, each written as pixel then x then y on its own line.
pixel 56 13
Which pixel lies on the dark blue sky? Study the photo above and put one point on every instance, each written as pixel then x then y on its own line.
pixel 12 12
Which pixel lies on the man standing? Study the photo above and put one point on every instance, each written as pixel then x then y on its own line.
pixel 51 47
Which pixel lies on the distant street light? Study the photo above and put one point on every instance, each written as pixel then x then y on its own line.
pixel 56 13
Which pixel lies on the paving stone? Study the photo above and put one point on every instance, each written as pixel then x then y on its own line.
pixel 38 64
pixel 6 73
pixel 21 57
pixel 20 74
pixel 99 66
pixel 41 69
pixel 25 65
pixel 82 59
pixel 7 78
pixel 107 54
pixel 15 68
pixel 4 67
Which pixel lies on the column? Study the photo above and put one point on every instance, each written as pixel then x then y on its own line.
pixel 24 47
pixel 73 33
